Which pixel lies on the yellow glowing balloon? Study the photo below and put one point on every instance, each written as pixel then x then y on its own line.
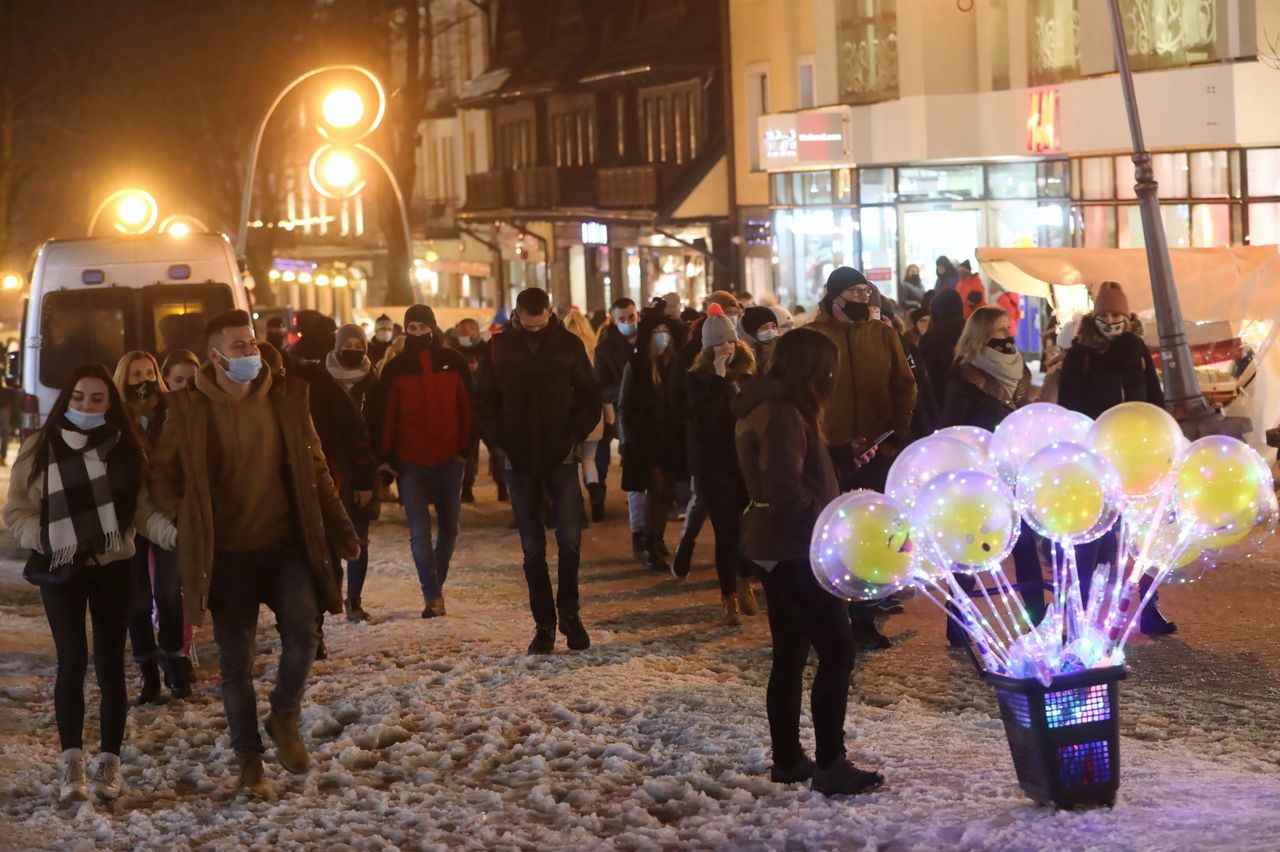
pixel 1218 485
pixel 1142 441
pixel 875 544
pixel 1067 501
pixel 969 517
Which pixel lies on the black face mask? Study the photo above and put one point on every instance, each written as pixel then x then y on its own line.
pixel 351 358
pixel 914 278
pixel 144 390
pixel 1003 344
pixel 276 339
pixel 417 342
pixel 857 311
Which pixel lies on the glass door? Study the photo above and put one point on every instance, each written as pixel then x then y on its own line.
pixel 928 231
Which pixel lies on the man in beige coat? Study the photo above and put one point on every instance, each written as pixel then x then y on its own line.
pixel 240 470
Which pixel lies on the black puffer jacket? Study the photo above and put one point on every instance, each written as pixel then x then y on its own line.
pixel 651 432
pixel 536 396
pixel 938 346
pixel 1098 373
pixel 344 434
pixel 613 353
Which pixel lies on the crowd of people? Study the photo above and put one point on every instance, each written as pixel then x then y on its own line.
pixel 209 486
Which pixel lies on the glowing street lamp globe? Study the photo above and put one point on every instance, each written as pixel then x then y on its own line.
pixel 342 108
pixel 339 170
pixel 132 211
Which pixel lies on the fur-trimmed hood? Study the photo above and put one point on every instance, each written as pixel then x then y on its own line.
pixel 1087 333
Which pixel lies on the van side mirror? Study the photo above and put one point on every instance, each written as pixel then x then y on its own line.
pixel 13 368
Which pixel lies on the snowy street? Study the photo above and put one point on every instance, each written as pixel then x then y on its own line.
pixel 442 733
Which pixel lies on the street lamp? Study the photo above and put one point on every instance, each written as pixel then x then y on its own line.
pixel 181 226
pixel 342 108
pixel 11 282
pixel 134 211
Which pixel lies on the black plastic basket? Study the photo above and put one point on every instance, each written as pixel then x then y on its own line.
pixel 1064 738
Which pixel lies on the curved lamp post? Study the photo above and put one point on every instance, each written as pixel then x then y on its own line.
pixel 344 109
pixel 136 211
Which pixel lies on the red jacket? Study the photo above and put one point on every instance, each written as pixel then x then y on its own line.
pixel 1012 305
pixel 422 414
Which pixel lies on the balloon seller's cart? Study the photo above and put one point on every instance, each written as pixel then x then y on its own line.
pixel 1064 738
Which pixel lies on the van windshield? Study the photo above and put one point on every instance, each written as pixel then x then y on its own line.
pixel 82 326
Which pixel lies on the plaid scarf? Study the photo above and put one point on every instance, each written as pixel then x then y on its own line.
pixel 82 495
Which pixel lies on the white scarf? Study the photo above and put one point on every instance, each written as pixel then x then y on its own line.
pixel 347 377
pixel 1005 367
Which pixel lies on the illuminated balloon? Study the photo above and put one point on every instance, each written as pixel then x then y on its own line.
pixel 923 460
pixel 861 547
pixel 1029 430
pixel 1239 543
pixel 1221 485
pixel 974 436
pixel 1068 493
pixel 1142 441
pixel 969 519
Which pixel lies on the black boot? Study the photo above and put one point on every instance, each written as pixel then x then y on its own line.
pixel 595 494
pixel 1153 623
pixel 468 496
pixel 842 778
pixel 503 497
pixel 684 558
pixel 178 675
pixel 575 633
pixel 865 633
pixel 150 693
pixel 544 639
pixel 640 547
pixel 654 546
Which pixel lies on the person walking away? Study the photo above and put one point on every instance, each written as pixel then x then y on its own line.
pixel 973 293
pixel 948 275
pixel 423 430
pixel 790 479
pixel 650 434
pixel 179 370
pixel 911 289
pixel 989 382
pixel 938 345
pixel 537 401
pixel 317 335
pixel 239 466
pixel 714 381
pixel 76 494
pixel 592 477
pixel 384 332
pixel 760 332
pixel 354 472
pixel 615 344
pixel 917 326
pixel 1108 363
pixel 142 392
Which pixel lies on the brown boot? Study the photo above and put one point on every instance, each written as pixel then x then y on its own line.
pixel 732 616
pixel 282 727
pixel 253 776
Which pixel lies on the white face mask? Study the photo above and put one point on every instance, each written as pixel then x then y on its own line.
pixel 767 334
pixel 1111 330
pixel 661 340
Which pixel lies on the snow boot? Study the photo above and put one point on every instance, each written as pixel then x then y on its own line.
pixel 800 770
pixel 354 611
pixel 252 775
pixel 544 640
pixel 732 616
pixel 72 787
pixel 575 634
pixel 654 548
pixel 595 495
pixel 684 558
pixel 436 605
pixel 842 778
pixel 291 751
pixel 747 597
pixel 150 693
pixel 468 496
pixel 106 778
pixel 640 547
pixel 179 676
pixel 865 633
pixel 1153 623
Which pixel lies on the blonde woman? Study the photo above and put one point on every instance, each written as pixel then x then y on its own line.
pixel 396 347
pixel 581 328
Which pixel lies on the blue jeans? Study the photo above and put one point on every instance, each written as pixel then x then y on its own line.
pixel 566 499
pixel 420 487
pixel 358 568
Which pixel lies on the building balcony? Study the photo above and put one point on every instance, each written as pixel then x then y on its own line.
pixel 547 187
pixel 489 190
pixel 636 186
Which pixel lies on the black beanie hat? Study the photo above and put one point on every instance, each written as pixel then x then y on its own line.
pixel 420 313
pixel 756 316
pixel 842 278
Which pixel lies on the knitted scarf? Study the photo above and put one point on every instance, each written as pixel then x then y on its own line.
pixel 83 495
pixel 347 377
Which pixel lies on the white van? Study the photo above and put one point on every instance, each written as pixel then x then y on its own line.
pixel 96 299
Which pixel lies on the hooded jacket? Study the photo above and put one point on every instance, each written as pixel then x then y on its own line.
pixel 787 470
pixel 1098 373
pixel 420 412
pixel 874 391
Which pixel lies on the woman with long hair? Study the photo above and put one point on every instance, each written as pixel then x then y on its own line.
pixel 790 479
pixel 581 328
pixel 649 431
pixel 179 369
pixel 77 492
pixel 142 391
pixel 715 379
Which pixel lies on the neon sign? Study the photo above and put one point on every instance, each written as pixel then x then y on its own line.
pixel 1042 122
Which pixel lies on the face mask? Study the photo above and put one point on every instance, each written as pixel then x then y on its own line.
pixel 914 278
pixel 417 342
pixel 1111 330
pixel 144 390
pixel 383 335
pixel 240 370
pixel 767 335
pixel 351 358
pixel 1003 344
pixel 661 340
pixel 466 342
pixel 86 422
pixel 626 329
pixel 737 324
pixel 857 311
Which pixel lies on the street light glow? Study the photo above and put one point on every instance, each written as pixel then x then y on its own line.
pixel 340 281
pixel 132 211
pixel 179 229
pixel 289 276
pixel 12 282
pixel 304 277
pixel 322 280
pixel 274 275
pixel 339 170
pixel 342 108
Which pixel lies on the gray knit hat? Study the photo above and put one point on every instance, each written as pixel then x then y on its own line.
pixel 351 331
pixel 717 328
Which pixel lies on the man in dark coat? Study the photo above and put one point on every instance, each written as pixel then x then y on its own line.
pixel 537 400
pixel 614 348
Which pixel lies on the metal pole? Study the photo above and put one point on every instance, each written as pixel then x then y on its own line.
pixel 1181 388
pixel 404 210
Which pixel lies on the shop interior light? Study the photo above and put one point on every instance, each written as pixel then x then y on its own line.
pixel 322 280
pixel 304 277
pixel 340 281
pixel 289 276
pixel 274 275
pixel 178 229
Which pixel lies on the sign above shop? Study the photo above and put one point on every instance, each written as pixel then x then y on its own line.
pixel 595 234
pixel 1042 122
pixel 809 139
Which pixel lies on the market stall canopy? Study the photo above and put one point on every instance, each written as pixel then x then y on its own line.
pixel 1226 283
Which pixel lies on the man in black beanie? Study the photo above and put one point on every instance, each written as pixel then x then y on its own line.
pixel 384 332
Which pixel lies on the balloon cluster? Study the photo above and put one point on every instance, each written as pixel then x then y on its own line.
pixel 956 502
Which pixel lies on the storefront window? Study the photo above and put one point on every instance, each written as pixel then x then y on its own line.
pixel 1210 174
pixel 867 50
pixel 955 183
pixel 811 243
pixel 780 189
pixel 809 188
pixel 1053 38
pixel 1051 179
pixel 875 186
pixel 1098 226
pixel 1210 225
pixel 1052 230
pixel 1011 180
pixel 1264 224
pixel 1264 172
pixel 1177 226
pixel 1097 179
pixel 879 234
pixel 1169 33
pixel 1171 171
pixel 844 186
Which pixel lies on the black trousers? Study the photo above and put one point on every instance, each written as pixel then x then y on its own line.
pixel 167 592
pixel 802 615
pixel 104 591
pixel 725 500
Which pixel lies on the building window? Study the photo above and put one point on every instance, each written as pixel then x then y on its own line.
pixel 1169 33
pixel 669 118
pixel 1263 167
pixel 757 105
pixel 1053 38
pixel 867 50
pixel 806 93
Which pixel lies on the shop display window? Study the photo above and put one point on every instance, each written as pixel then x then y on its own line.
pixel 1011 180
pixel 1051 179
pixel 1171 172
pixel 943 183
pixel 1210 174
pixel 1210 225
pixel 879 233
pixel 1264 224
pixel 875 186
pixel 1177 226
pixel 1264 172
pixel 1097 179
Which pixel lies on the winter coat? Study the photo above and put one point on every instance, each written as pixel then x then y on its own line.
pixel 787 470
pixel 1098 373
pixel 938 346
pixel 421 412
pixel 947 280
pixel 975 398
pixel 924 420
pixel 613 353
pixel 910 294
pixel 1012 305
pixel 537 397
pixel 969 287
pixel 650 432
pixel 712 425
pixel 874 391
pixel 344 435
pixel 377 349
pixel 182 488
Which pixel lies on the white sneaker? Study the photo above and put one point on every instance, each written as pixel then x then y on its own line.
pixel 106 777
pixel 73 788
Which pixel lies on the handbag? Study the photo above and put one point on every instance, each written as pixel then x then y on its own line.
pixel 40 570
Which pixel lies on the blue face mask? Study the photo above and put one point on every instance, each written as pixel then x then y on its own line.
pixel 86 422
pixel 766 335
pixel 241 370
pixel 661 340
pixel 627 329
